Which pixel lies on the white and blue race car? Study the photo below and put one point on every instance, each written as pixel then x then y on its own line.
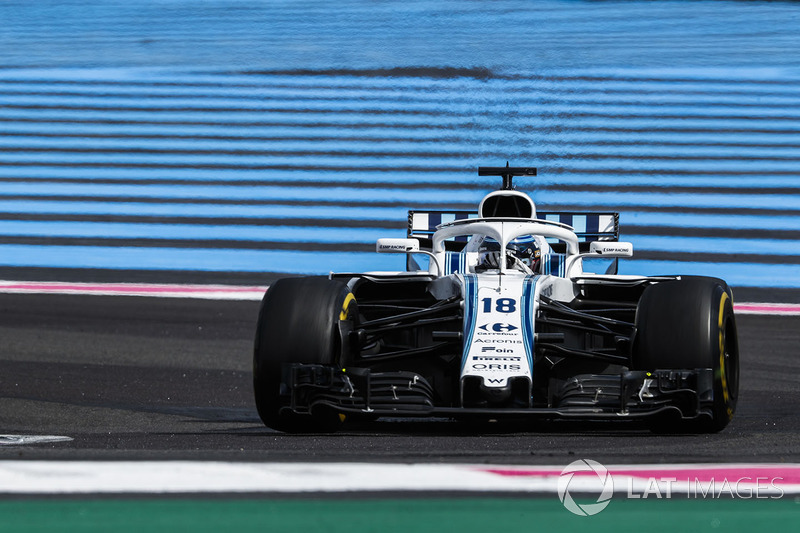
pixel 499 316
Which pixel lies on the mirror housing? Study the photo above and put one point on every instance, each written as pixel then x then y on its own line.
pixel 405 246
pixel 397 246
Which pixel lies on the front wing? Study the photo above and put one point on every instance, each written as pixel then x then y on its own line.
pixel 629 394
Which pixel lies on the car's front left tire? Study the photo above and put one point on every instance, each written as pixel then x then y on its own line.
pixel 298 322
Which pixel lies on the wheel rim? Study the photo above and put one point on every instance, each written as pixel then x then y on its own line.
pixel 731 361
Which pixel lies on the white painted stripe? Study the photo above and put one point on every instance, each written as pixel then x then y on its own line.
pixel 55 477
pixel 85 477
pixel 22 440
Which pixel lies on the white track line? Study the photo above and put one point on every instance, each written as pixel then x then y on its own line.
pixel 19 440
pixel 149 477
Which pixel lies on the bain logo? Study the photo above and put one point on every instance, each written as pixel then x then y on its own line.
pixel 498 327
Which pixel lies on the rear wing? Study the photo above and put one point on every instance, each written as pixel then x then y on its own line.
pixel 589 227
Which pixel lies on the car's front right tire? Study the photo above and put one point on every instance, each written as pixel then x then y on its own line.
pixel 687 324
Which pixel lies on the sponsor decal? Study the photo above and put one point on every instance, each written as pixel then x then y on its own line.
pixel 497 350
pixel 494 328
pixel 495 366
pixel 612 250
pixel 498 327
pixel 395 248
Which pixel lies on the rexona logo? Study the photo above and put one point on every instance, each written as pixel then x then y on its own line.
pixel 498 327
pixel 592 481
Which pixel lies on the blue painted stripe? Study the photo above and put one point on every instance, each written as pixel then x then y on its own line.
pixel 458 261
pixel 527 94
pixel 533 108
pixel 180 78
pixel 289 177
pixel 613 177
pixel 376 89
pixel 737 247
pixel 611 200
pixel 194 231
pixel 342 116
pixel 528 317
pixel 470 314
pixel 253 137
pixel 71 207
pixel 700 220
pixel 736 274
pixel 217 260
pixel 570 110
pixel 231 192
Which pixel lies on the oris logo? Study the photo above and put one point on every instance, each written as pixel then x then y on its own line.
pixel 498 327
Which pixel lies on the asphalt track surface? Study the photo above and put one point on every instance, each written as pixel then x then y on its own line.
pixel 169 379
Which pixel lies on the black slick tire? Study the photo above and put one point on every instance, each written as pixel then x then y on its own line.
pixel 687 324
pixel 298 323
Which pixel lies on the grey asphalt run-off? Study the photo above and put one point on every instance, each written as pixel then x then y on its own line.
pixel 169 379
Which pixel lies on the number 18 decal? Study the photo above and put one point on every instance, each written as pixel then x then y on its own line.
pixel 502 305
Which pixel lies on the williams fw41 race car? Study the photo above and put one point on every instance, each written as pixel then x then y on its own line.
pixel 499 316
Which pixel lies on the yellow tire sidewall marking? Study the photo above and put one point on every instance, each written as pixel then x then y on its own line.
pixel 723 378
pixel 346 306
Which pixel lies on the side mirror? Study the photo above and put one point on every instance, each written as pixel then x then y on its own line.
pixel 397 246
pixel 405 246
pixel 611 249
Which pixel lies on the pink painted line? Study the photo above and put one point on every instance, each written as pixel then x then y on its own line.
pixel 230 292
pixel 788 474
pixel 127 287
pixel 767 309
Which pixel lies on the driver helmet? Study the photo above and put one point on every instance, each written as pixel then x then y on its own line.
pixel 527 251
pixel 489 254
